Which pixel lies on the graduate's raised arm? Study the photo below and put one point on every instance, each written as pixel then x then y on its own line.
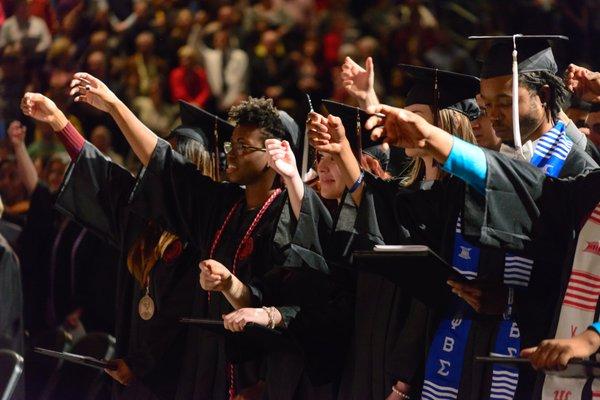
pixel 403 128
pixel 88 89
pixel 93 180
pixel 359 82
pixel 25 167
pixel 282 160
pixel 43 109
pixel 327 135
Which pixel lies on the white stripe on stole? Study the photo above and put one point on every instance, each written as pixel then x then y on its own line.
pixel 433 391
pixel 553 143
pixel 578 308
pixel 560 149
pixel 517 270
pixel 467 274
pixel 504 384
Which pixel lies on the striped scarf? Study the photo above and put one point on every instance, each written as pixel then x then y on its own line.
pixel 579 309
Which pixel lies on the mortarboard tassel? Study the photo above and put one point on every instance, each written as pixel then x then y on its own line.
pixel 216 158
pixel 515 98
pixel 358 151
pixel 304 171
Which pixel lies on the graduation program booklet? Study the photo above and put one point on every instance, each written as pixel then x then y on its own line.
pixel 218 326
pixel 415 268
pixel 253 334
pixel 577 368
pixel 76 358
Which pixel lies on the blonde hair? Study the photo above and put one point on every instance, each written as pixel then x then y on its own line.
pixel 453 122
pixel 153 243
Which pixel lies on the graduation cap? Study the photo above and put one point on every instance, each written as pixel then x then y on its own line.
pixel 202 126
pixel 353 119
pixel 505 57
pixel 442 89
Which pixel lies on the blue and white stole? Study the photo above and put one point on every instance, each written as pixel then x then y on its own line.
pixel 446 358
pixel 549 154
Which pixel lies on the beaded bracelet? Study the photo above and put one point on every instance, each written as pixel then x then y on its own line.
pixel 399 393
pixel 269 311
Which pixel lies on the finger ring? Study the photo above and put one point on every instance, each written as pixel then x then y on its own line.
pixel 88 87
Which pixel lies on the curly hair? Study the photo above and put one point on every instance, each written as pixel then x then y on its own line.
pixel 559 96
pixel 259 112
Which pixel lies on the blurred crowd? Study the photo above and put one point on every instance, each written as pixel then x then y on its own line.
pixel 215 53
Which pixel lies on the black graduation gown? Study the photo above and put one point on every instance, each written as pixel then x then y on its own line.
pixel 390 327
pixel 543 221
pixel 96 194
pixel 195 207
pixel 419 209
pixel 592 150
pixel 316 309
pixel 476 377
pixel 59 270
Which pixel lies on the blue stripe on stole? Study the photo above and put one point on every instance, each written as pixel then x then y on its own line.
pixel 443 369
pixel 505 377
pixel 551 150
pixel 550 154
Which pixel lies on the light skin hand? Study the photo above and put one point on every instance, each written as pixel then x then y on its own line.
pixel 237 320
pixel 91 90
pixel 41 108
pixel 359 82
pixel 405 129
pixel 282 160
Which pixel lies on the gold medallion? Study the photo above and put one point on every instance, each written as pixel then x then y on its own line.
pixel 146 307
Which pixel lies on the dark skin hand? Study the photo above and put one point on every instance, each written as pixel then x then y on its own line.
pixel 484 298
pixel 555 354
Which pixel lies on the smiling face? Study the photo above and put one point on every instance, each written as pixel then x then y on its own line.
pixel 496 94
pixel 330 178
pixel 249 166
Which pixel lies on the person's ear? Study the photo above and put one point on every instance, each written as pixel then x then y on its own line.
pixel 544 95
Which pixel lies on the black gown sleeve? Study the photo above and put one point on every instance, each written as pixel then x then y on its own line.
pixel 301 240
pixel 178 197
pixel 299 244
pixel 518 196
pixel 95 192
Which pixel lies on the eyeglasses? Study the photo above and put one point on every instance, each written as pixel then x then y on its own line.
pixel 240 148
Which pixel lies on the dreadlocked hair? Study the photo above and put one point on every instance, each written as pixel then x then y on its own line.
pixel 559 95
pixel 154 241
pixel 259 112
